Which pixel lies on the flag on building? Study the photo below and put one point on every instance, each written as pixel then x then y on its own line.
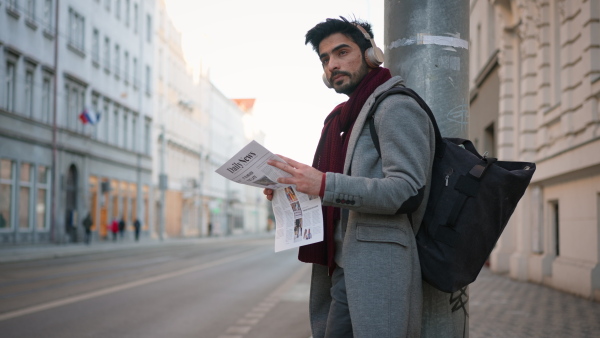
pixel 88 116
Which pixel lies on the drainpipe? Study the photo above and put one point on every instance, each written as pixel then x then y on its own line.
pixel 54 197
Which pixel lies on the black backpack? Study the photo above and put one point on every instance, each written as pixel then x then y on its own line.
pixel 470 202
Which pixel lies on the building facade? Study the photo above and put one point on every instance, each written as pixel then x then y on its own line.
pixel 233 208
pixel 535 96
pixel 196 130
pixel 179 137
pixel 101 115
pixel 77 98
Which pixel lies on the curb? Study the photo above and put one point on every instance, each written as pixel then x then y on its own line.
pixel 44 251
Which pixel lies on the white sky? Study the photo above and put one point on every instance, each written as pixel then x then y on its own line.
pixel 255 49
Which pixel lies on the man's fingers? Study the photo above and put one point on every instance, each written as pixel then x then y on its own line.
pixel 269 193
pixel 291 162
pixel 288 168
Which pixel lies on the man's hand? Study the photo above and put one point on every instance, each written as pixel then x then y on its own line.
pixel 306 178
pixel 269 193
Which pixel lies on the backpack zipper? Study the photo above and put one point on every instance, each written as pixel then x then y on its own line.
pixel 449 173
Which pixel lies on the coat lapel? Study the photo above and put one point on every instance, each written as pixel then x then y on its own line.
pixel 361 119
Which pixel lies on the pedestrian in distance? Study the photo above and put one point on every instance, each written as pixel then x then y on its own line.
pixel 122 228
pixel 2 221
pixel 114 228
pixel 137 227
pixel 366 278
pixel 87 227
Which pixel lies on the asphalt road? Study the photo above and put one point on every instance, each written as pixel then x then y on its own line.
pixel 228 289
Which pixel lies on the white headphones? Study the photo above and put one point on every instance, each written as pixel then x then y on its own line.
pixel 373 55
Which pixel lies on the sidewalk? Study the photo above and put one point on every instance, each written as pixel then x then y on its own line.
pixel 23 252
pixel 501 307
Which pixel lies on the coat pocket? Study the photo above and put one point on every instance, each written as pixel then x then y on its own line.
pixel 382 233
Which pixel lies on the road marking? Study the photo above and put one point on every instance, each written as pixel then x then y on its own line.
pixel 113 289
pixel 245 324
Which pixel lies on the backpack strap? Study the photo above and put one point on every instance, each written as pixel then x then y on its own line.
pixel 439 144
pixel 413 202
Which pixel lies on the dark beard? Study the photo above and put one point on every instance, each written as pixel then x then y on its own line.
pixel 355 80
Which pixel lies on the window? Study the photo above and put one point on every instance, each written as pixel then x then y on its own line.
pixel 133 132
pixel 96 110
pixel 135 73
pixel 76 30
pixel 116 131
pixel 117 60
pixel 118 9
pixel 74 97
pixel 107 54
pixel 147 137
pixel 46 99
pixel 6 188
pixel 148 80
pixel 148 28
pixel 43 198
pixel 104 121
pixel 69 104
pixel 554 225
pixel 96 46
pixel 135 18
pixel 25 178
pixel 48 14
pixel 11 81
pixel 127 12
pixel 489 140
pixel 126 67
pixel 125 134
pixel 48 17
pixel 13 5
pixel 160 63
pixel 29 92
pixel 30 10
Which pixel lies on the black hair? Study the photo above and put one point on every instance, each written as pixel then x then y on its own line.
pixel 331 26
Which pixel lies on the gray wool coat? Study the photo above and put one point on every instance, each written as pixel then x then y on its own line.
pixel 380 260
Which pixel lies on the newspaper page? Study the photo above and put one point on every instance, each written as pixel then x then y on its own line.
pixel 298 216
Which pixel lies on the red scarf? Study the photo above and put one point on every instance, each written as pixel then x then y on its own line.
pixel 331 155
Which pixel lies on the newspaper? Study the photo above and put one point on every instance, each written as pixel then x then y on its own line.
pixel 298 216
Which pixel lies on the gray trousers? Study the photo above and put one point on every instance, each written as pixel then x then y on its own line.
pixel 339 323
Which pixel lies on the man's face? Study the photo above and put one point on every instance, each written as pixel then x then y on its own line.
pixel 342 62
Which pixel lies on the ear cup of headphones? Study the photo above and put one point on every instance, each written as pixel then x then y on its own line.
pixel 374 54
pixel 326 81
pixel 374 57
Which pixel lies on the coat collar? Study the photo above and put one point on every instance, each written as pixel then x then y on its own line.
pixel 361 119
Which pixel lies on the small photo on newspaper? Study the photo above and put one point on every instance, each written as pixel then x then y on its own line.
pixel 298 216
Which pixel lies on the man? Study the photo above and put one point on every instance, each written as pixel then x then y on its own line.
pixel 137 225
pixel 122 228
pixel 87 226
pixel 366 279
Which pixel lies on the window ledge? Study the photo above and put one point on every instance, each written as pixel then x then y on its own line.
pixel 32 24
pixel 49 33
pixel 76 50
pixel 10 10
